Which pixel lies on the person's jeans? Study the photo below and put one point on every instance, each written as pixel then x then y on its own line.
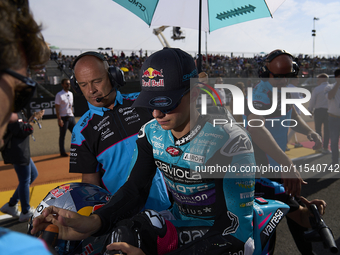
pixel 334 130
pixel 26 175
pixel 69 123
pixel 321 117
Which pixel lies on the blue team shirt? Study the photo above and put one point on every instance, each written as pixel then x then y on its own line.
pixel 104 140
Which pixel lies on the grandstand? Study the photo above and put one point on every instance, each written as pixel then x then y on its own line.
pixel 224 65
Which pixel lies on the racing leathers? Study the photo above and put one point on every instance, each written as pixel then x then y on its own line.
pixel 103 141
pixel 211 214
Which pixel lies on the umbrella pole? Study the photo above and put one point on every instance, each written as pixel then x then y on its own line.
pixel 199 60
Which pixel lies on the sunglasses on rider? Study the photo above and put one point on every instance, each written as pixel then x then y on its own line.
pixel 281 76
pixel 22 94
pixel 165 111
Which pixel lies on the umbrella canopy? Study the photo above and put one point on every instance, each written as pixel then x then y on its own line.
pixel 185 13
pixel 124 69
pixel 204 15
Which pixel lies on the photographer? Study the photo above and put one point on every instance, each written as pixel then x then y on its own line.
pixel 16 151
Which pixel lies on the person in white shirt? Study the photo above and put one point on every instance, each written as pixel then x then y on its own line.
pixel 64 112
pixel 332 93
pixel 318 106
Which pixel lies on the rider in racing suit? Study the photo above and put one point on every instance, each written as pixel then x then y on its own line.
pixel 211 214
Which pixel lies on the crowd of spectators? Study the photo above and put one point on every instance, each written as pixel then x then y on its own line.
pixel 215 65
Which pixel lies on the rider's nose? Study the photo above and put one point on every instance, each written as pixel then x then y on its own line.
pixel 157 114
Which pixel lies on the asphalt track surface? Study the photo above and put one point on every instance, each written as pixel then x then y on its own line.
pixel 53 171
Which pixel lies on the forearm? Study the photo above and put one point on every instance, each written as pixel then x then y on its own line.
pixel 57 111
pixel 300 216
pixel 265 141
pixel 132 196
pixel 92 178
pixel 301 127
pixel 332 92
pixel 126 202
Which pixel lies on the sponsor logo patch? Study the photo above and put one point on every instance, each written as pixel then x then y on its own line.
pixel 193 158
pixel 174 151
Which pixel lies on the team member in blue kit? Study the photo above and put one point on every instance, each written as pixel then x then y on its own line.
pixel 270 141
pixel 209 215
pixel 104 138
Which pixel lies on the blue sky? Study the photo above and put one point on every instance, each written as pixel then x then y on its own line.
pixel 89 24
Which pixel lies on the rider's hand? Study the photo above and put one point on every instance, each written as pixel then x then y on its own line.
pixel 126 248
pixel 72 226
pixel 315 137
pixel 320 204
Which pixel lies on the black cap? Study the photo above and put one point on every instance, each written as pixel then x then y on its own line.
pixel 164 77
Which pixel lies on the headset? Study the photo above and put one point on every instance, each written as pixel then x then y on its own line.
pixel 116 75
pixel 263 70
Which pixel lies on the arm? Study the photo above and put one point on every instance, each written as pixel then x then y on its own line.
pixel 126 202
pixel 301 216
pixel 60 121
pixel 20 128
pixel 303 128
pixel 266 142
pixel 239 192
pixel 132 196
pixel 126 248
pixel 92 178
pixel 312 101
pixel 332 92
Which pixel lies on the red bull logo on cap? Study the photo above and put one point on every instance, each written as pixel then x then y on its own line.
pixel 152 78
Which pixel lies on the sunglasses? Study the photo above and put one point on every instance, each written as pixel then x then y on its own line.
pixel 281 76
pixel 165 111
pixel 23 94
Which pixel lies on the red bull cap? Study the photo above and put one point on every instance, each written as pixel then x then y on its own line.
pixel 164 77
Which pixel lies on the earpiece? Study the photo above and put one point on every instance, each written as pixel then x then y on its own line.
pixel 116 75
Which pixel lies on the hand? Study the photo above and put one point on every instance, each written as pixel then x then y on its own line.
pixel 126 248
pixel 60 122
pixel 37 115
pixel 316 138
pixel 72 226
pixel 203 77
pixel 320 204
pixel 13 118
pixel 292 182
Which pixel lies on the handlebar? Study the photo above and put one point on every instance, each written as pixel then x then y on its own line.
pixel 320 231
